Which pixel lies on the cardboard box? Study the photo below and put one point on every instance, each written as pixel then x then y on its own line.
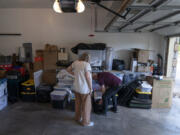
pixel 2 73
pixel 49 47
pixel 162 93
pixel 62 56
pixel 39 53
pixel 143 69
pixel 38 66
pixel 49 77
pixel 31 74
pixel 143 56
pixel 149 79
pixel 50 60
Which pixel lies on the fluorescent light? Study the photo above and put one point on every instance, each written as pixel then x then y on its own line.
pixel 57 7
pixel 80 7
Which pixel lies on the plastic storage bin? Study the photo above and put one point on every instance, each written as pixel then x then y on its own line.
pixel 3 87
pixel 43 93
pixel 28 96
pixel 65 81
pixel 28 86
pixel 59 99
pixel 13 84
pixel 3 102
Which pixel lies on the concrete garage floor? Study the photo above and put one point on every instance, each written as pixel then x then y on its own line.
pixel 42 119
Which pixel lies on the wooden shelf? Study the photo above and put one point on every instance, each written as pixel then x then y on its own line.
pixel 10 34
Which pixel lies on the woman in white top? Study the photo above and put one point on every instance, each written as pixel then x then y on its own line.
pixel 83 89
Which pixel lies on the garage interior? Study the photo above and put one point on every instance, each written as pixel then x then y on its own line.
pixel 138 41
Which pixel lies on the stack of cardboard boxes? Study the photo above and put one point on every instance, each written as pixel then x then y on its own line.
pixel 46 60
pixel 140 61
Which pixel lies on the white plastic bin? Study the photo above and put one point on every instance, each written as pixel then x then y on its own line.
pixel 3 102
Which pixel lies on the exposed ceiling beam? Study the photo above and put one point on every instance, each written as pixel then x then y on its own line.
pixel 122 8
pixel 174 35
pixel 172 7
pixel 110 10
pixel 165 26
pixel 143 12
pixel 158 20
pixel 103 0
pixel 143 22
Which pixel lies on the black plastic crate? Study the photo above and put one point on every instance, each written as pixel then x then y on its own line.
pixel 28 86
pixel 59 104
pixel 43 93
pixel 28 96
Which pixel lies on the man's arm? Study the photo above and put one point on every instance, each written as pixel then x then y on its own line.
pixel 103 89
pixel 89 81
pixel 70 70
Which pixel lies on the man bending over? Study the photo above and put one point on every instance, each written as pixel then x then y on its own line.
pixel 110 86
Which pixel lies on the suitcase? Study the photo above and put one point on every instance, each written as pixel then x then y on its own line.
pixel 43 93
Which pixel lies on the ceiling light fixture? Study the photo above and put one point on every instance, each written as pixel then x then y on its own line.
pixel 57 7
pixel 80 6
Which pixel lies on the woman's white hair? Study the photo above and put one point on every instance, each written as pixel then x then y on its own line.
pixel 84 57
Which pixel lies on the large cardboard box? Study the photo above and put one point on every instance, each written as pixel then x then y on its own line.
pixel 143 69
pixel 38 66
pixel 49 77
pixel 50 60
pixel 62 56
pixel 39 53
pixel 143 56
pixel 162 93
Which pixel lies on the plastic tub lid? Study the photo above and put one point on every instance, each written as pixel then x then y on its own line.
pixel 59 93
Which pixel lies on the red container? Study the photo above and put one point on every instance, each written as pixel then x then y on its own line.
pixel 7 67
pixel 37 59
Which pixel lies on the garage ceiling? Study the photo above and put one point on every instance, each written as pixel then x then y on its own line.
pixel 160 16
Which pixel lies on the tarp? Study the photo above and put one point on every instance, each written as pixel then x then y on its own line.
pixel 83 46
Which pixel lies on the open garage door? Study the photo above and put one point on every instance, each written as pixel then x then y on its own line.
pixel 173 63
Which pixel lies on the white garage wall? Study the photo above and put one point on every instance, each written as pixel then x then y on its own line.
pixel 41 26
